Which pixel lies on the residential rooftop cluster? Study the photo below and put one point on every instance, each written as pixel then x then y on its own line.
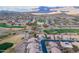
pixel 32 32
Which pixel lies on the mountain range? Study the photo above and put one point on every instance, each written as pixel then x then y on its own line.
pixel 41 10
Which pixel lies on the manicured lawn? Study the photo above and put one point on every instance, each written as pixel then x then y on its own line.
pixel 59 31
pixel 5 46
pixel 10 26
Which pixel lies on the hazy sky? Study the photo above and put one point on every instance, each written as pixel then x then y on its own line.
pixel 27 8
pixel 18 8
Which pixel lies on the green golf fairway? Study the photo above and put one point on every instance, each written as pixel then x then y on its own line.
pixel 59 31
pixel 10 26
pixel 5 46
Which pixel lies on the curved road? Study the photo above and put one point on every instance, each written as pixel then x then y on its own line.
pixel 43 46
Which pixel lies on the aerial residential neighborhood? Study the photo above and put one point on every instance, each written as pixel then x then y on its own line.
pixel 41 29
